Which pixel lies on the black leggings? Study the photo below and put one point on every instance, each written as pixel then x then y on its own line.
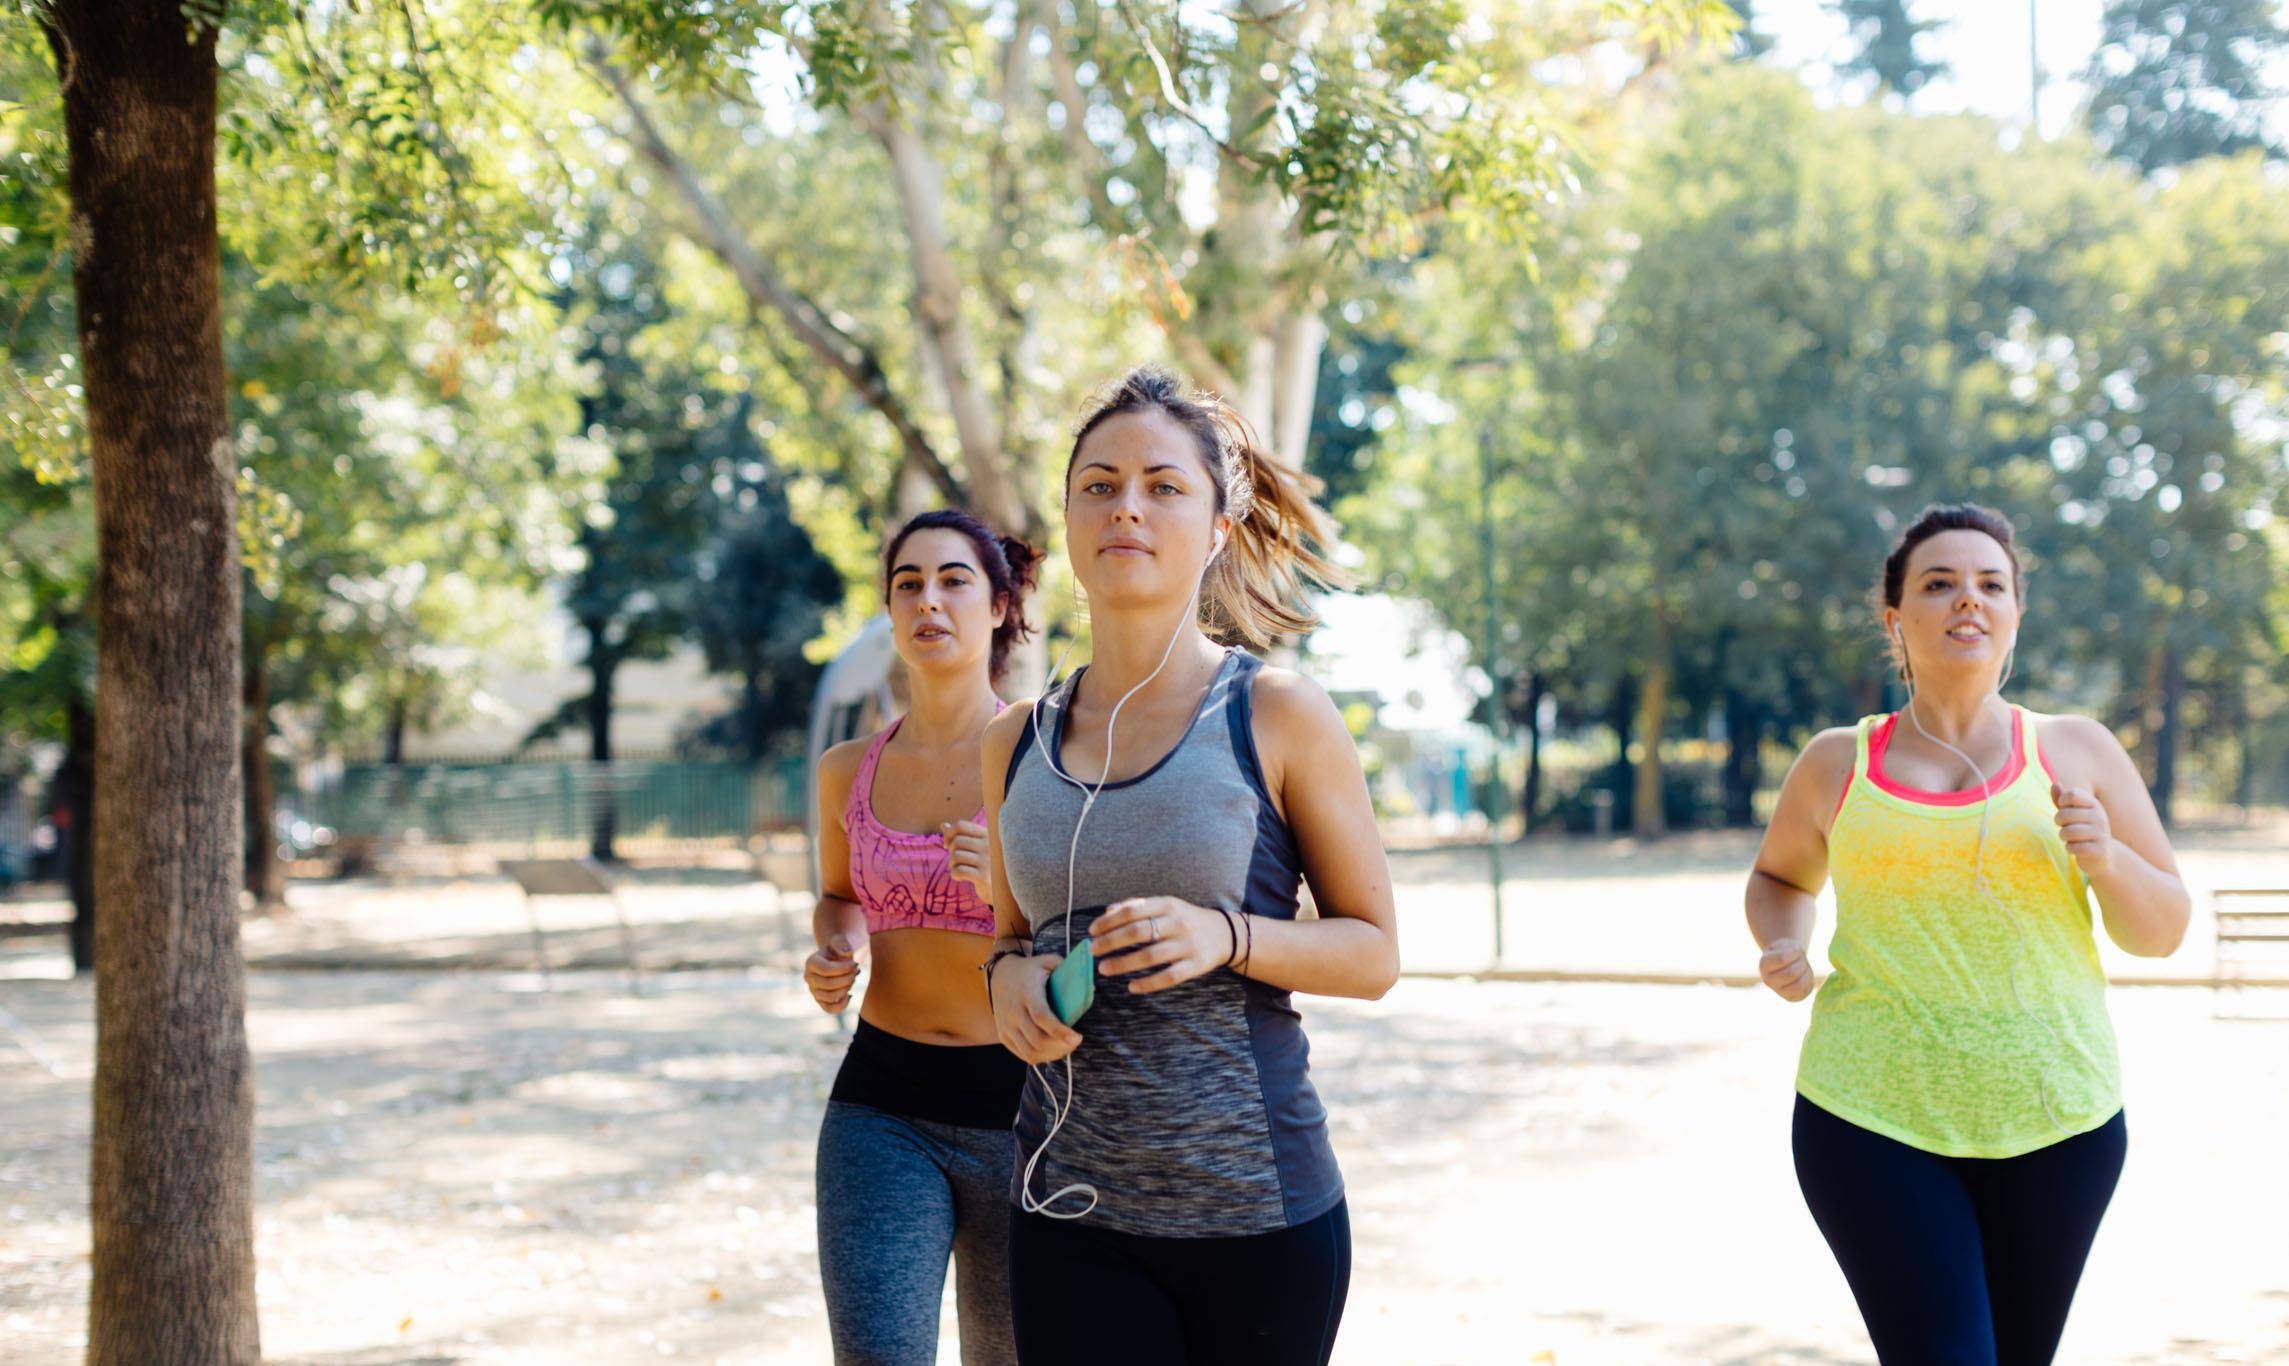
pixel 1957 1261
pixel 1091 1295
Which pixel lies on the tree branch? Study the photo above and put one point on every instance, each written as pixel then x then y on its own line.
pixel 1089 163
pixel 1087 157
pixel 1173 97
pixel 1014 337
pixel 920 184
pixel 856 362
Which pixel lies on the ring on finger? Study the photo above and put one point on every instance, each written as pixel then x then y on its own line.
pixel 1154 921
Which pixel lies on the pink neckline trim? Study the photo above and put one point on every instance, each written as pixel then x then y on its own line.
pixel 862 789
pixel 1881 740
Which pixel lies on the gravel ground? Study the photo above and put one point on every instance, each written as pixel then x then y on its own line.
pixel 461 1167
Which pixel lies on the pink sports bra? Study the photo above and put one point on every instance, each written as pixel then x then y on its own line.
pixel 904 880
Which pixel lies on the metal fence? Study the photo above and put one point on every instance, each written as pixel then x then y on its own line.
pixel 528 804
pixel 17 855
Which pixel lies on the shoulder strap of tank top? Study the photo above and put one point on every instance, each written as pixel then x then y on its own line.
pixel 1024 743
pixel 1240 713
pixel 1862 736
pixel 2029 724
pixel 860 800
pixel 1042 713
pixel 1863 746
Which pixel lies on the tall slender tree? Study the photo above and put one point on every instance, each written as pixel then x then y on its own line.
pixel 1889 43
pixel 172 1165
pixel 2174 81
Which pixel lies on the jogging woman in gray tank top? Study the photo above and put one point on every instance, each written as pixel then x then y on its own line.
pixel 1178 1197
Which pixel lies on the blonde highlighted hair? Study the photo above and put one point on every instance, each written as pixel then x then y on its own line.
pixel 1277 552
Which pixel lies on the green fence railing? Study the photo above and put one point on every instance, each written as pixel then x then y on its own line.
pixel 537 802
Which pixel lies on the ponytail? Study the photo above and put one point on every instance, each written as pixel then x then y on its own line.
pixel 1257 590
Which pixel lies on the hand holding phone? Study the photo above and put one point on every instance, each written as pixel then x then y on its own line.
pixel 1073 986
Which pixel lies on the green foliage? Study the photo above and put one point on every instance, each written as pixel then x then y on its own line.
pixel 2174 81
pixel 694 536
pixel 1775 333
pixel 1889 37
pixel 1748 40
pixel 40 410
pixel 762 594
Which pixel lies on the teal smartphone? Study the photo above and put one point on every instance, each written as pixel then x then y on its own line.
pixel 1073 985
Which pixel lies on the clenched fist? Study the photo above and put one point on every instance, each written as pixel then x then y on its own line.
pixel 965 843
pixel 2083 825
pixel 832 971
pixel 1786 969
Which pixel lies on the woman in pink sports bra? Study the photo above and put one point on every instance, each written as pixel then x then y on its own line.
pixel 915 1149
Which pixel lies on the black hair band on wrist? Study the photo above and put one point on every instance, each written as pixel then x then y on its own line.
pixel 1234 931
pixel 993 960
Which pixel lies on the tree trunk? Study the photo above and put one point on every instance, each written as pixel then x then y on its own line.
pixel 2164 729
pixel 751 708
pixel 1295 385
pixel 172 1154
pixel 921 188
pixel 912 492
pixel 602 665
pixel 1744 727
pixel 1646 818
pixel 1094 177
pixel 1621 718
pixel 2245 775
pixel 1530 797
pixel 75 797
pixel 265 875
pixel 1252 230
pixel 393 733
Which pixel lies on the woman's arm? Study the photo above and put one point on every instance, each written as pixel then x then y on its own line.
pixel 1792 863
pixel 1312 768
pixel 2107 818
pixel 838 923
pixel 1017 979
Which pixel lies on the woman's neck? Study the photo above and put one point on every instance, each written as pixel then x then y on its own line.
pixel 1955 714
pixel 1127 649
pixel 945 712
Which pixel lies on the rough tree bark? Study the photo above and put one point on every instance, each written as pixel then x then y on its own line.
pixel 75 798
pixel 1530 796
pixel 1647 819
pixel 603 671
pixel 2169 693
pixel 265 875
pixel 172 1157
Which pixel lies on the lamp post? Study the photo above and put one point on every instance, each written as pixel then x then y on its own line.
pixel 1493 681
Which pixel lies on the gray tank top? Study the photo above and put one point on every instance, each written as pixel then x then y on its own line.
pixel 1193 1110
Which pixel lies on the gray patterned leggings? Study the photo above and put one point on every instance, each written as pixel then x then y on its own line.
pixel 896 1197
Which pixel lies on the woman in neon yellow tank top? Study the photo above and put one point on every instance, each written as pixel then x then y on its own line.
pixel 1959 1126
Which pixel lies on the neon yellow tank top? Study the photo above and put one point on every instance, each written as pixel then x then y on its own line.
pixel 1920 1033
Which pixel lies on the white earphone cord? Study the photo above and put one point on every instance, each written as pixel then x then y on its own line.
pixel 1057 1109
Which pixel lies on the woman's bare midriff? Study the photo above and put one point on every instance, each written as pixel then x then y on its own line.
pixel 925 985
